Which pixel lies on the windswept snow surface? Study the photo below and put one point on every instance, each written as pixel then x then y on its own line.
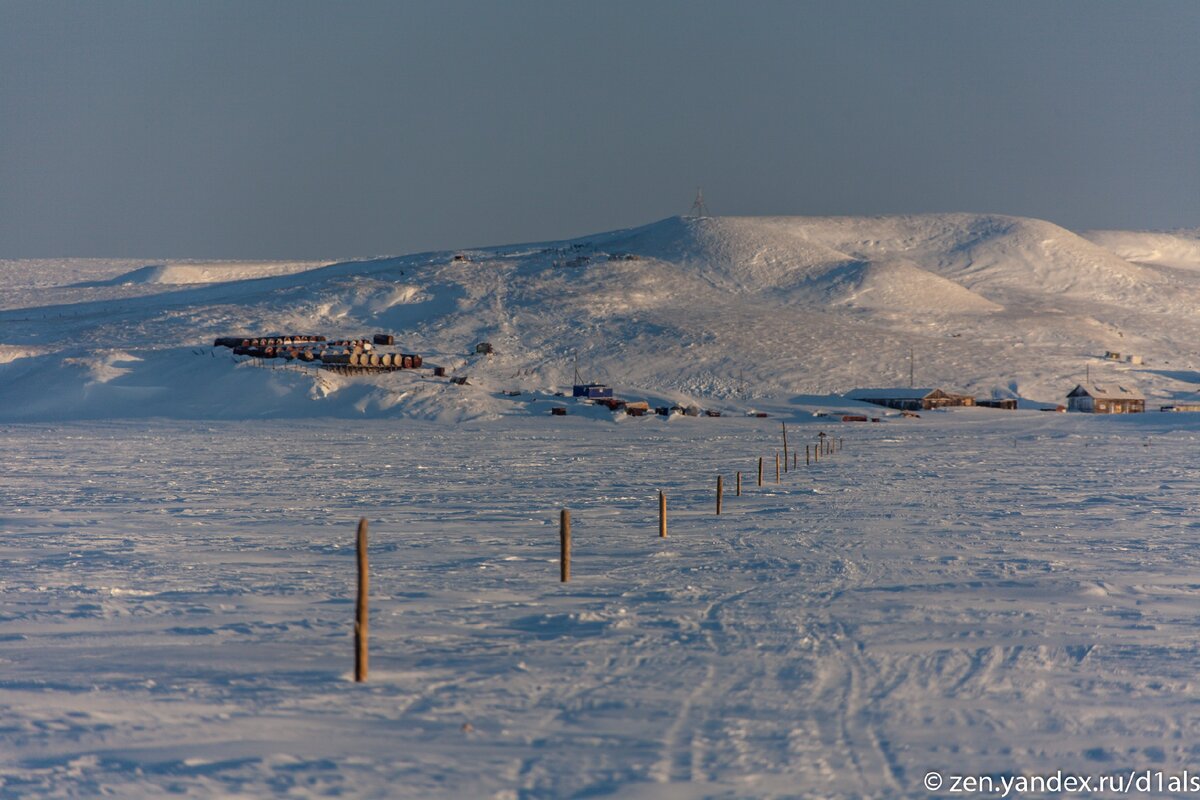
pixel 1179 249
pixel 976 592
pixel 735 312
pixel 979 592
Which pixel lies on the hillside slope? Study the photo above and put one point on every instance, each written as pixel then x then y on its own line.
pixel 733 312
pixel 1179 249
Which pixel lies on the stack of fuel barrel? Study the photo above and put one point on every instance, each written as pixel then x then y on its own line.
pixel 344 355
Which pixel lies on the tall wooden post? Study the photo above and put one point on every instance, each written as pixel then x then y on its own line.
pixel 720 490
pixel 785 450
pixel 760 470
pixel 662 515
pixel 564 546
pixel 360 608
pixel 739 484
pixel 795 456
pixel 806 458
pixel 777 467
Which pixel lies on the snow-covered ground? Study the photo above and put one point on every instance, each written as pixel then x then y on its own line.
pixel 738 312
pixel 976 592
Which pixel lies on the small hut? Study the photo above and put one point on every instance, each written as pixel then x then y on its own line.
pixel 594 391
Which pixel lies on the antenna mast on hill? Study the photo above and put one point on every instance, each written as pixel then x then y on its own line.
pixel 698 207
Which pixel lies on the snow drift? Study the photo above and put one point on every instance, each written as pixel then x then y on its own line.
pixel 733 312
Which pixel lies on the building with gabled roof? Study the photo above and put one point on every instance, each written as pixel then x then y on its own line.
pixel 1109 398
pixel 907 399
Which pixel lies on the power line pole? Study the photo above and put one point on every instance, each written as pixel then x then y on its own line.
pixel 698 207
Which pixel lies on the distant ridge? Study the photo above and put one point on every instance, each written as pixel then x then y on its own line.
pixel 742 311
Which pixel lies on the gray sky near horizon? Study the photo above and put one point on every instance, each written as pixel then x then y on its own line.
pixel 247 129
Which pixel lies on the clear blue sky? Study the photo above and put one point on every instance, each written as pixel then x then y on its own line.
pixel 215 129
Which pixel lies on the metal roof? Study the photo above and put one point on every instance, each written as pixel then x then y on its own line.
pixel 889 394
pixel 1108 391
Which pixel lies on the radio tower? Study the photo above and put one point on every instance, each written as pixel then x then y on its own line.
pixel 698 207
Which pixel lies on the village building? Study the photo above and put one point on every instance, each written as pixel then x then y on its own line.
pixel 594 391
pixel 911 399
pixel 1091 398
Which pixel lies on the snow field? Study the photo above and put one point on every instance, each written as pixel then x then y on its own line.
pixel 982 592
pixel 723 312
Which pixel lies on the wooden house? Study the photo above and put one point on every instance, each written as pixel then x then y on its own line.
pixel 1091 398
pixel 1007 403
pixel 911 399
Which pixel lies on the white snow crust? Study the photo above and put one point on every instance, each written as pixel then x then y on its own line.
pixel 736 312
pixel 977 592
pixel 974 591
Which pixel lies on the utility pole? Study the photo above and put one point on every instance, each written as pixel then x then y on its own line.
pixel 698 207
pixel 910 366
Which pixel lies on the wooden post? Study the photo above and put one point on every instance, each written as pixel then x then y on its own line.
pixel 785 450
pixel 806 458
pixel 720 490
pixel 777 467
pixel 816 454
pixel 739 484
pixel 662 515
pixel 564 541
pixel 760 470
pixel 795 456
pixel 360 608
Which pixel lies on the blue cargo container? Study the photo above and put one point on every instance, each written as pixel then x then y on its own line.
pixel 592 390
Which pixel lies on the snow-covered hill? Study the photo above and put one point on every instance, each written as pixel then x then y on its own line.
pixel 1179 249
pixel 733 312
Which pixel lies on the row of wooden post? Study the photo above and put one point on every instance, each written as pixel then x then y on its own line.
pixel 564 527
pixel 565 519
